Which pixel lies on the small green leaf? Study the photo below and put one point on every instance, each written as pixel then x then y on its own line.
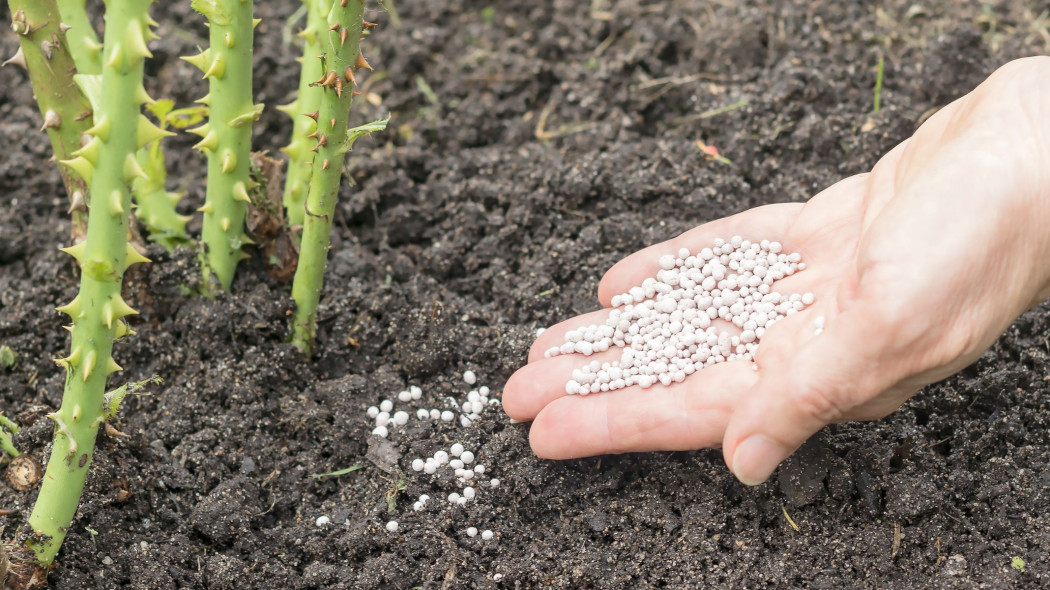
pixel 112 399
pixel 160 108
pixel 1018 564
pixel 8 358
pixel 187 117
pixel 353 134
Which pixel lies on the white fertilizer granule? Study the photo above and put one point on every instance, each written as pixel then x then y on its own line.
pixel 666 326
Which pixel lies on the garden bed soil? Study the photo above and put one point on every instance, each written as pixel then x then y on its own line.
pixel 532 145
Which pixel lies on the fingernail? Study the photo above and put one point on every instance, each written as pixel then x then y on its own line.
pixel 756 458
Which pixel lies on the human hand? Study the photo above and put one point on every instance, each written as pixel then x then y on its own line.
pixel 917 267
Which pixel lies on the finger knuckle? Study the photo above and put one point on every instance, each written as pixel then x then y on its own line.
pixel 821 403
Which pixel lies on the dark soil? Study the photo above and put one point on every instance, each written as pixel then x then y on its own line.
pixel 563 138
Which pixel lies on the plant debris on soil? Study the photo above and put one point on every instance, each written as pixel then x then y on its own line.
pixel 531 146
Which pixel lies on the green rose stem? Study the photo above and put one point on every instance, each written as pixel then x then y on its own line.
pixel 67 114
pixel 300 158
pixel 156 205
pixel 227 137
pixel 340 42
pixel 83 42
pixel 109 159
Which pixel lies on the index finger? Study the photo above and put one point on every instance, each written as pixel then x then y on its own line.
pixel 769 222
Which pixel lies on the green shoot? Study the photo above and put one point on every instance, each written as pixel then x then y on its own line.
pixel 302 109
pixel 97 311
pixel 156 206
pixel 227 137
pixel 8 428
pixel 338 472
pixel 878 84
pixel 43 51
pixel 83 42
pixel 340 60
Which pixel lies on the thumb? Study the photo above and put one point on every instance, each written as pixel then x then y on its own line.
pixel 800 393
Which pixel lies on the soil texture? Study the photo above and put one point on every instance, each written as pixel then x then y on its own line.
pixel 532 145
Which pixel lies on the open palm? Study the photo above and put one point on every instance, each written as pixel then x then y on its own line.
pixel 694 413
pixel 917 267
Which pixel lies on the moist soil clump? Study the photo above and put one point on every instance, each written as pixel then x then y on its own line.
pixel 532 145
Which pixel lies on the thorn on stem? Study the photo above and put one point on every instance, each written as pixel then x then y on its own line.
pixel 78 202
pixel 48 47
pixel 51 120
pixel 18 59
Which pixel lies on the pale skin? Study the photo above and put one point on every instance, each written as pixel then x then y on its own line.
pixel 917 266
